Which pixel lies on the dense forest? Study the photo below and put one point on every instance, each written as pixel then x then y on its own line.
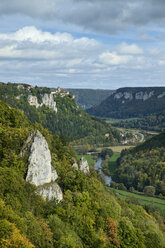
pixel 143 168
pixel 131 102
pixel 70 120
pixel 87 217
pixel 87 98
pixel 151 123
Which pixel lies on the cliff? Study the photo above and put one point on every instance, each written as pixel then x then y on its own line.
pixel 82 165
pixel 47 100
pixel 131 102
pixel 40 171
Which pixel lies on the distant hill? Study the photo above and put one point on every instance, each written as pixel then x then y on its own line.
pixel 152 122
pixel 144 166
pixel 131 102
pixel 57 111
pixel 87 98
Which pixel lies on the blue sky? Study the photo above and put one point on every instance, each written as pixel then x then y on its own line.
pixel 83 43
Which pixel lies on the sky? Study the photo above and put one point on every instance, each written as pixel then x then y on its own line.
pixel 98 44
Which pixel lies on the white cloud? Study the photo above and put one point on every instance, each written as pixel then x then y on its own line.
pixel 35 56
pixel 30 42
pixel 125 48
pixel 112 58
pixel 36 36
pixel 161 62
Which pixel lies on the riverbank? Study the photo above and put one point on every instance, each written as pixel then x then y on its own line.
pixel 98 167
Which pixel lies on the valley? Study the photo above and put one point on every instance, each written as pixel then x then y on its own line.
pixel 77 177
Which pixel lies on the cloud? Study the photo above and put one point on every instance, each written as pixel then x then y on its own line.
pixel 36 8
pixel 111 58
pixel 100 16
pixel 125 48
pixel 35 56
pixel 30 42
pixel 32 34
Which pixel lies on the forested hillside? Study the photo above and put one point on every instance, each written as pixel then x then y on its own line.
pixel 143 168
pixel 151 123
pixel 87 217
pixel 131 102
pixel 62 116
pixel 87 98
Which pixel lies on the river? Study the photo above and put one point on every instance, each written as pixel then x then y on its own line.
pixel 98 167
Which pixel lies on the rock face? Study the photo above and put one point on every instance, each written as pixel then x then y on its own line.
pixel 118 95
pixel 47 100
pixel 161 95
pixel 128 95
pixel 143 95
pixel 33 101
pixel 40 171
pixel 75 165
pixel 138 96
pixel 51 192
pixel 83 165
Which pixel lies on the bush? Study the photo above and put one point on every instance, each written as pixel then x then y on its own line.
pixel 149 190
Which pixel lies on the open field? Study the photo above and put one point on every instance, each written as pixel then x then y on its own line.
pixel 137 130
pixel 144 200
pixel 112 162
pixel 113 120
pixel 118 149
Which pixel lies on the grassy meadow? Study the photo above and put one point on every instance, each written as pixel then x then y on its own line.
pixel 143 199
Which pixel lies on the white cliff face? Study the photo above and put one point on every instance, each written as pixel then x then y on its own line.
pixel 51 192
pixel 138 96
pixel 128 95
pixel 75 165
pixel 83 165
pixel 40 171
pixel 161 95
pixel 143 95
pixel 118 95
pixel 33 101
pixel 47 100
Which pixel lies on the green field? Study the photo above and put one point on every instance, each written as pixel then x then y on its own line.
pixel 113 162
pixel 144 200
pixel 89 159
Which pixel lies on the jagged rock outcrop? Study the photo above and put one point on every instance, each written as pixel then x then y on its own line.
pixel 50 192
pixel 33 101
pixel 128 95
pixel 143 95
pixel 40 171
pixel 47 100
pixel 83 165
pixel 75 165
pixel 161 95
pixel 118 95
pixel 138 96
